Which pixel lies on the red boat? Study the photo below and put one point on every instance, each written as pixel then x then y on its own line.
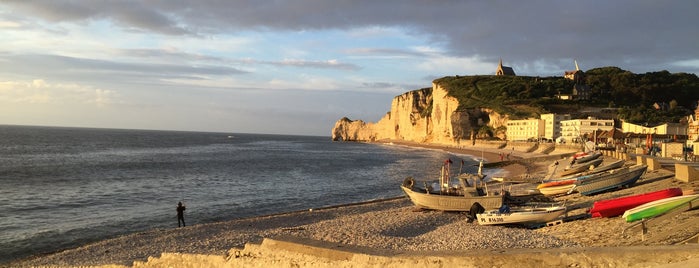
pixel 617 206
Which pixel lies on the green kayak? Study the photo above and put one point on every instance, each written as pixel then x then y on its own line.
pixel 657 207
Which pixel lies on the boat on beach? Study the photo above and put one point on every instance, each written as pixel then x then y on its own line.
pixel 525 215
pixel 617 206
pixel 587 157
pixel 657 207
pixel 612 179
pixel 581 167
pixel 448 196
pixel 556 183
pixel 556 190
pixel 571 179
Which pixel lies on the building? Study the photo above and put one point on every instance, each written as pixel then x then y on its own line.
pixel 504 70
pixel 693 126
pixel 577 75
pixel 580 89
pixel 524 130
pixel 663 129
pixel 552 125
pixel 576 129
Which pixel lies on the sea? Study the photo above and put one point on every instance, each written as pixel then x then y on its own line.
pixel 65 187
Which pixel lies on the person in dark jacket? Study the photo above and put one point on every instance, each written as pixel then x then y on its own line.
pixel 180 214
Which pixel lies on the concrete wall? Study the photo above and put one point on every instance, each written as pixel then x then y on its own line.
pixel 311 253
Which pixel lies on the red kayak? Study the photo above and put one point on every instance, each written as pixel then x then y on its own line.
pixel 617 206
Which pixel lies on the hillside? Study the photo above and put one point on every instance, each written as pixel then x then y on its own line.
pixel 460 108
pixel 610 87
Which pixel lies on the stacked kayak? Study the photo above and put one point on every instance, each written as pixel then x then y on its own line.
pixel 617 206
pixel 658 207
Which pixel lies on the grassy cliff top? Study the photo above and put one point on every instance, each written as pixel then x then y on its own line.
pixel 511 95
pixel 633 94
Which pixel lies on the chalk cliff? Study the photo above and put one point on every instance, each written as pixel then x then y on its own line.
pixel 426 115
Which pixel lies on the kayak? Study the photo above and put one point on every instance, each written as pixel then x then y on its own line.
pixel 617 206
pixel 657 207
pixel 556 183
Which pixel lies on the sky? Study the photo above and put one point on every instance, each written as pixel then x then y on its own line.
pixel 296 67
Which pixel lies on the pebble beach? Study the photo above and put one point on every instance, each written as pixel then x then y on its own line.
pixel 395 225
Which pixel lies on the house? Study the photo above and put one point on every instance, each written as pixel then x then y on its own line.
pixel 552 125
pixel 693 124
pixel 577 129
pixel 525 130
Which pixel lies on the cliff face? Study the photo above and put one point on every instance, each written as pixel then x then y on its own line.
pixel 411 119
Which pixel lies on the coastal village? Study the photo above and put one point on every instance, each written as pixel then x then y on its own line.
pixel 669 139
pixel 560 192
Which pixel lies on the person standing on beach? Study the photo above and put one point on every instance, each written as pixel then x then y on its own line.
pixel 180 214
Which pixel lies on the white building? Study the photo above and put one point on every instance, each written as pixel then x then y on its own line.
pixel 572 130
pixel 522 130
pixel 552 127
pixel 664 129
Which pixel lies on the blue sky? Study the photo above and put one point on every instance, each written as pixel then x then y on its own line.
pixel 295 67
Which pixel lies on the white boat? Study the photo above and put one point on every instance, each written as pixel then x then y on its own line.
pixel 556 190
pixel 521 215
pixel 447 196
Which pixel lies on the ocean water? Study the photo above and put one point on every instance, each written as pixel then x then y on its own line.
pixel 64 187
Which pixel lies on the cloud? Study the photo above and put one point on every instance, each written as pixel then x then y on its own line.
pixel 85 69
pixel 135 15
pixel 38 91
pixel 599 32
pixel 329 64
pixel 385 52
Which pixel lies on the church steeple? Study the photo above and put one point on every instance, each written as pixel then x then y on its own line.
pixel 504 70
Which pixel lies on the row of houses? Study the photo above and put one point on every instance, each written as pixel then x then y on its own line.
pixel 559 127
pixel 563 129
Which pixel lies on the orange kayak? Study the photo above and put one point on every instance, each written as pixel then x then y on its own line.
pixel 556 183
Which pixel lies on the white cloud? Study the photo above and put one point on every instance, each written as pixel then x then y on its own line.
pixel 444 65
pixel 39 91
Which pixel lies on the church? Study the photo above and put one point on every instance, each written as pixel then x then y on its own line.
pixel 504 70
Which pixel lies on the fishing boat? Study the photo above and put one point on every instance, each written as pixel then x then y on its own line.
pixel 531 215
pixel 571 179
pixel 556 190
pixel 657 207
pixel 447 196
pixel 581 167
pixel 587 157
pixel 617 206
pixel 612 179
pixel 601 168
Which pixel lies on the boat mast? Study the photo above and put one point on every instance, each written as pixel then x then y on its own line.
pixel 444 180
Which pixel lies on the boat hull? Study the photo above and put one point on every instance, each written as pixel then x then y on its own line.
pixel 581 167
pixel 556 183
pixel 657 207
pixel 556 190
pixel 451 202
pixel 588 157
pixel 617 206
pixel 521 216
pixel 610 180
